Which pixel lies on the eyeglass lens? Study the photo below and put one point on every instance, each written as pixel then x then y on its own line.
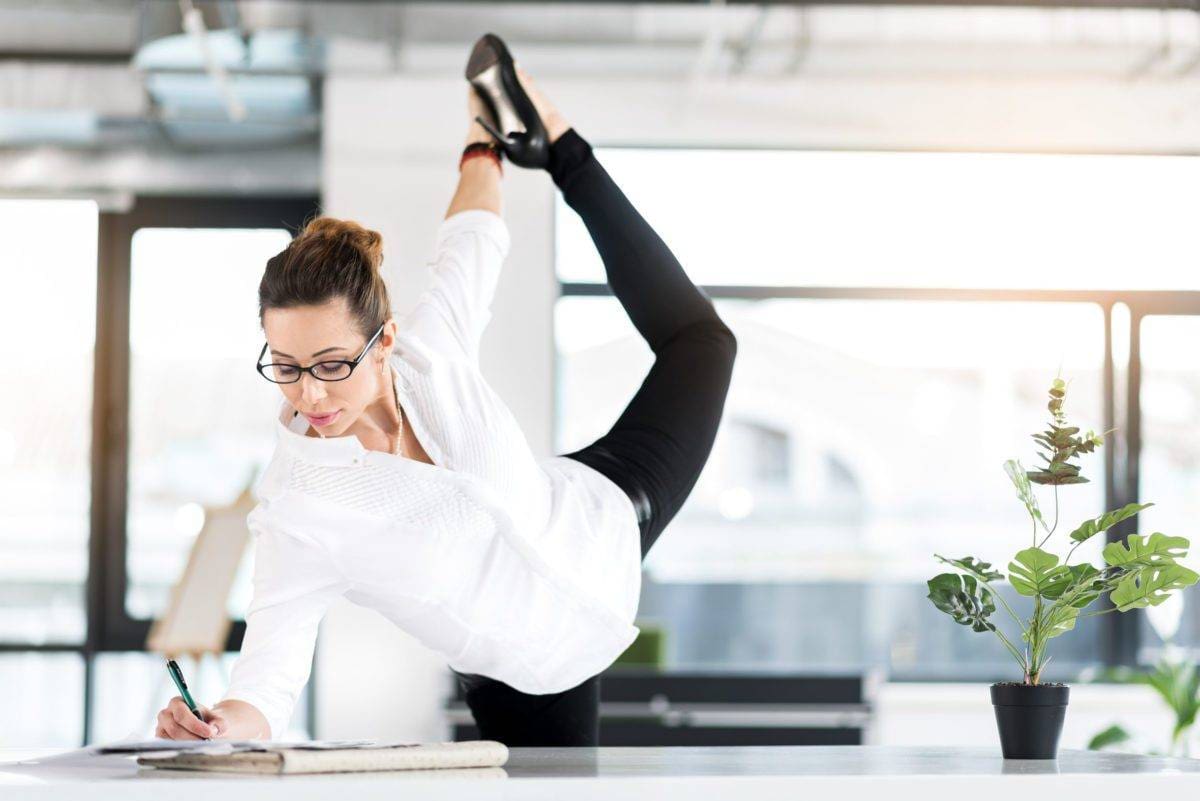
pixel 288 373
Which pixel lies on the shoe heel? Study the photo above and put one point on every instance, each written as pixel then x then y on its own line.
pixel 501 138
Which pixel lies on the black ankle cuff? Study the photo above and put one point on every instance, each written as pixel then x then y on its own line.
pixel 567 153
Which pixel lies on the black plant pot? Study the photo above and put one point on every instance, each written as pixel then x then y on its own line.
pixel 1030 718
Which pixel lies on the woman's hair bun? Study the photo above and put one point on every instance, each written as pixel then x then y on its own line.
pixel 368 243
pixel 329 258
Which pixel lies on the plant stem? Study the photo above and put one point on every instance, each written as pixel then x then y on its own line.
pixel 1055 526
pixel 1012 649
pixel 1035 640
pixel 1073 547
pixel 1020 623
pixel 1009 609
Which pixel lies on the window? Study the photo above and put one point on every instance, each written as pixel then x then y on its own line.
pixel 1170 461
pixel 42 698
pixel 199 413
pixel 896 340
pixel 47 319
pixel 773 218
pixel 168 370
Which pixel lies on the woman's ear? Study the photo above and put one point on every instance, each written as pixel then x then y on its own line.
pixel 387 342
pixel 388 338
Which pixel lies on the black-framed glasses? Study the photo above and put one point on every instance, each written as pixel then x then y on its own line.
pixel 332 370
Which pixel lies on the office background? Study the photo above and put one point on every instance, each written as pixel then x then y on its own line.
pixel 912 218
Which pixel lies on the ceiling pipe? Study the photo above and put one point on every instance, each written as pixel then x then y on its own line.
pixel 193 23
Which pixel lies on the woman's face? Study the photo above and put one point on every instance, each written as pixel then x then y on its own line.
pixel 304 335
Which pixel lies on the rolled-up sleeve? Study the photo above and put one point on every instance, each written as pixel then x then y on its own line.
pixel 455 307
pixel 294 586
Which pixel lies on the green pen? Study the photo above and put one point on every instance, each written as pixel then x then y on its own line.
pixel 181 685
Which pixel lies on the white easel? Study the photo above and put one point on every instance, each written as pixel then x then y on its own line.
pixel 196 623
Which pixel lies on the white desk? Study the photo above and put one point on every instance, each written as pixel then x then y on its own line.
pixel 842 773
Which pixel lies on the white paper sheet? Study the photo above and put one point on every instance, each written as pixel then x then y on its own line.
pixel 165 747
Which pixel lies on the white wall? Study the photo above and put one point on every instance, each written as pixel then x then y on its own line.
pixel 389 160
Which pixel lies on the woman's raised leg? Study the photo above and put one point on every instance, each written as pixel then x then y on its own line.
pixel 661 441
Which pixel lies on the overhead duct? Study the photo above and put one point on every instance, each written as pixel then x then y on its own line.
pixel 227 85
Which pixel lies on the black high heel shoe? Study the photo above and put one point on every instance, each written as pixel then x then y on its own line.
pixel 519 129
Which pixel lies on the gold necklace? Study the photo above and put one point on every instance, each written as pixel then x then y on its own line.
pixel 399 420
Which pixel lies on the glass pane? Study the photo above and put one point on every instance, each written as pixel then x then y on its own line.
pixel 48 310
pixel 200 416
pixel 130 688
pixel 42 698
pixel 1170 464
pixel 858 439
pixel 935 219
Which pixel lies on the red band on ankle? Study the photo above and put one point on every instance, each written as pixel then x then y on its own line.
pixel 477 149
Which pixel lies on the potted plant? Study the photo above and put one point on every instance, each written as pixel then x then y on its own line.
pixel 1138 572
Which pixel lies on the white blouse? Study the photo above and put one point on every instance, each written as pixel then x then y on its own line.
pixel 523 569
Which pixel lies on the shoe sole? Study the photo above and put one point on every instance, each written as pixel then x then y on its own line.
pixel 483 71
pixel 502 111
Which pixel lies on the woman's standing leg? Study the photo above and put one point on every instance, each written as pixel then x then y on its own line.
pixel 661 441
pixel 517 719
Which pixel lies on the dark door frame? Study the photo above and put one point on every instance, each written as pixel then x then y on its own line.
pixel 109 627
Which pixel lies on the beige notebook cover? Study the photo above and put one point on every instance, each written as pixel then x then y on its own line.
pixel 470 754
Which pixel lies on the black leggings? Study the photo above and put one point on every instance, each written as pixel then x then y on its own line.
pixel 659 444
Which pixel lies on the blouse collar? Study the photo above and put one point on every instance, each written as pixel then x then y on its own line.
pixel 345 450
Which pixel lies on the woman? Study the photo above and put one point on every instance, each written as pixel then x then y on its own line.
pixel 403 483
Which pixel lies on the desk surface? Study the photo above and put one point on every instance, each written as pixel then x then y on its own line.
pixel 695 774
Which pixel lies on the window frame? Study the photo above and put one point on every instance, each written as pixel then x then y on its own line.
pixel 1120 634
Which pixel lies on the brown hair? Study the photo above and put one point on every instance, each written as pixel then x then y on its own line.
pixel 330 258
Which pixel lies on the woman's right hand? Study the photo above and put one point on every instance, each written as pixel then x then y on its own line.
pixel 177 722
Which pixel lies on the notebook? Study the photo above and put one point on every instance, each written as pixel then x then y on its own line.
pixel 277 759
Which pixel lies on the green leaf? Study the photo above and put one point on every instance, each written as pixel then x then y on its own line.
pixel 964 599
pixel 1090 528
pixel 1020 479
pixel 1085 583
pixel 1043 477
pixel 1036 572
pixel 1113 735
pixel 1151 585
pixel 1136 550
pixel 975 567
pixel 1059 620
